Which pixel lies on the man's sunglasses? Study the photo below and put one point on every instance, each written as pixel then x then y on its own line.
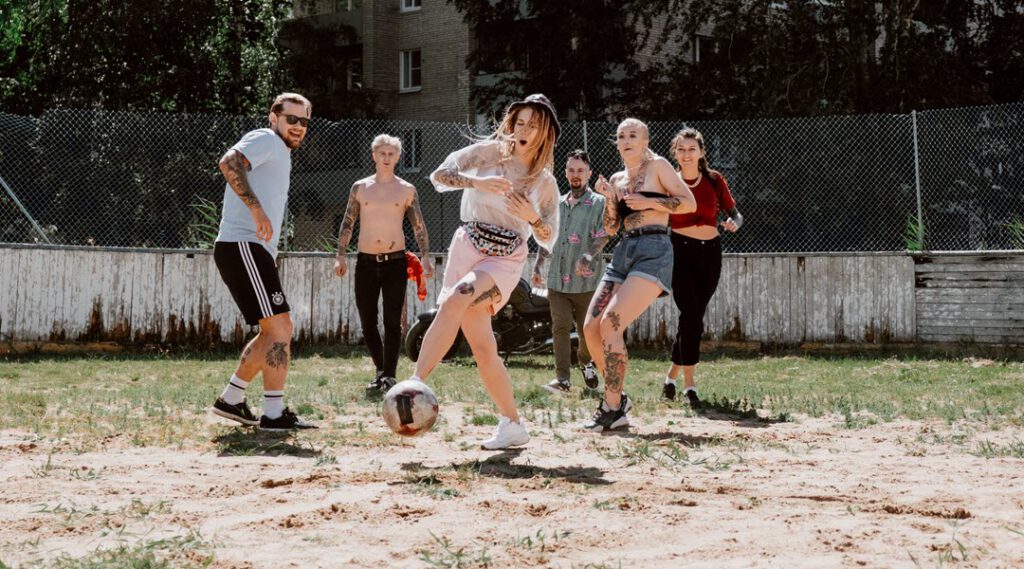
pixel 292 119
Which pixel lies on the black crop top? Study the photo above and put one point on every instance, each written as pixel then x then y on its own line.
pixel 625 210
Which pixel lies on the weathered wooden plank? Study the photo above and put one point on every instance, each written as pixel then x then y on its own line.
pixel 967 296
pixel 39 316
pixel 10 283
pixel 297 283
pixel 947 268
pixel 975 338
pixel 976 284
pixel 1002 311
pixel 146 313
pixel 1012 278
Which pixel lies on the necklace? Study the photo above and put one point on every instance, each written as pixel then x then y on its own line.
pixel 695 184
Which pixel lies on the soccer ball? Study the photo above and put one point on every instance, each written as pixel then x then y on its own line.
pixel 410 408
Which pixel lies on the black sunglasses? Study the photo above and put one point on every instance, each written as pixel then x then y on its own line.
pixel 292 119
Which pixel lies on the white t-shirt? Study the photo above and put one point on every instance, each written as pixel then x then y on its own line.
pixel 485 159
pixel 269 176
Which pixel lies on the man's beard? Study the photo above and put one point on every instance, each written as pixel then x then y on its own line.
pixel 577 191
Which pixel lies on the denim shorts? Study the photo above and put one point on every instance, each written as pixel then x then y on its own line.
pixel 646 256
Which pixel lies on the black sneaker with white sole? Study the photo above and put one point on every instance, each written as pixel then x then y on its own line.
pixel 381 384
pixel 240 412
pixel 558 386
pixel 288 421
pixel 606 419
pixel 668 391
pixel 691 395
pixel 590 375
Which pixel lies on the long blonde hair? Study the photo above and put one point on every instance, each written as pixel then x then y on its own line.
pixel 543 146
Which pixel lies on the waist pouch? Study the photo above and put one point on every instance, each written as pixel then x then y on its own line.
pixel 492 240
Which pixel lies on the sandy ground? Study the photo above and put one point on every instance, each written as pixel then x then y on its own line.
pixel 673 491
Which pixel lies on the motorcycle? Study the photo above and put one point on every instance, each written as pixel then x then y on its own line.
pixel 521 327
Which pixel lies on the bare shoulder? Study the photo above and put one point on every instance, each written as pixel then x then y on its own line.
pixel 660 164
pixel 406 185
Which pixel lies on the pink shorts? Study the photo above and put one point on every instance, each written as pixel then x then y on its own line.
pixel 463 258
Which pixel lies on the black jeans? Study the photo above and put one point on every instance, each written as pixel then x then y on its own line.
pixel 373 279
pixel 695 272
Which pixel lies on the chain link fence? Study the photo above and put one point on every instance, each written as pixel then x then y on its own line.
pixel 937 180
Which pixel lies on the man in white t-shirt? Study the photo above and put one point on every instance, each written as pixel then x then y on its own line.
pixel 258 170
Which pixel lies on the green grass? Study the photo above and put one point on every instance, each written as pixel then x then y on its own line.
pixel 158 400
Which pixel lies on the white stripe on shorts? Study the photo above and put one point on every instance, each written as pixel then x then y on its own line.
pixel 254 278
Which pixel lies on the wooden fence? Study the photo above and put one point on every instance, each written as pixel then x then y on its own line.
pixel 140 296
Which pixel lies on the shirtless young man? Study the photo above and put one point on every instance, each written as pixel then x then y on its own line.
pixel 381 266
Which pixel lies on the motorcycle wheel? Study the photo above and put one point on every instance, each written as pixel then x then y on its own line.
pixel 414 340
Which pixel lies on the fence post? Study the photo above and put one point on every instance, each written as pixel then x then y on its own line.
pixel 24 211
pixel 917 178
pixel 585 148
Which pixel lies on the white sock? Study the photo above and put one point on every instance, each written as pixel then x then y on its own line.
pixel 273 403
pixel 234 392
pixel 669 380
pixel 688 389
pixel 415 378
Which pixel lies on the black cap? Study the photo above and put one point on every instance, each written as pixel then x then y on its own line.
pixel 538 99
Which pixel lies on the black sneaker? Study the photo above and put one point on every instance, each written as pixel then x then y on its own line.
pixel 691 394
pixel 558 386
pixel 288 421
pixel 590 375
pixel 240 413
pixel 606 419
pixel 668 391
pixel 381 384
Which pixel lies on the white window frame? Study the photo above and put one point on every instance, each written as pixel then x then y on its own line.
pixel 410 5
pixel 404 69
pixel 412 145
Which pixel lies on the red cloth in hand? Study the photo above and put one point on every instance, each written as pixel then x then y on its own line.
pixel 415 271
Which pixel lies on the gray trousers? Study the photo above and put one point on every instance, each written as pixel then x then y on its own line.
pixel 566 310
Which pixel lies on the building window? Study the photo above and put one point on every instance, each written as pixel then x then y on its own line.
pixel 705 48
pixel 410 71
pixel 411 5
pixel 355 74
pixel 412 144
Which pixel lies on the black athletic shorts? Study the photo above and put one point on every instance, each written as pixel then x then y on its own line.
pixel 251 275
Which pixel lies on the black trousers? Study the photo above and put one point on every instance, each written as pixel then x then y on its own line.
pixel 373 280
pixel 697 267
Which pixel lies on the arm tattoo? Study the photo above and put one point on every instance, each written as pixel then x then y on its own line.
pixel 671 204
pixel 492 294
pixel 419 227
pixel 234 166
pixel 451 178
pixel 348 225
pixel 542 258
pixel 610 220
pixel 597 247
pixel 541 230
pixel 614 369
pixel 277 355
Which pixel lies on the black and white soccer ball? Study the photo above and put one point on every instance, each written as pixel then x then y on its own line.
pixel 410 408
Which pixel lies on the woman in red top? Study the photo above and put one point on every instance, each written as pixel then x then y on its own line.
pixel 697 260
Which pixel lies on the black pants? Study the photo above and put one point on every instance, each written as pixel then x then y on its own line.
pixel 373 279
pixel 697 266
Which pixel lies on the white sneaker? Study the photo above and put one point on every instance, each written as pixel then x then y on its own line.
pixel 507 434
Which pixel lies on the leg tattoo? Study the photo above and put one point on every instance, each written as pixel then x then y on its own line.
pixel 615 370
pixel 277 355
pixel 492 295
pixel 613 317
pixel 603 298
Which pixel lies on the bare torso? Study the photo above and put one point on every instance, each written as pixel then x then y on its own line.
pixel 651 183
pixel 382 208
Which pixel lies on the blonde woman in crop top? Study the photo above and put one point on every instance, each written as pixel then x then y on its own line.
pixel 508 194
pixel 697 256
pixel 640 199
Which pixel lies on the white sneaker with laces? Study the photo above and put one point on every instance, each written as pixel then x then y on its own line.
pixel 507 434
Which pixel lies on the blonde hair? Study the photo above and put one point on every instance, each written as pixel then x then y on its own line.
pixel 543 146
pixel 648 153
pixel 386 140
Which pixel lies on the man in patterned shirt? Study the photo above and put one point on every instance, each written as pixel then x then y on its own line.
pixel 575 270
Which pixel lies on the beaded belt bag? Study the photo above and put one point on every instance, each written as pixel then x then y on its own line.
pixel 492 240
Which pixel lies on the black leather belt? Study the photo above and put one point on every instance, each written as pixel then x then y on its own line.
pixel 646 230
pixel 381 257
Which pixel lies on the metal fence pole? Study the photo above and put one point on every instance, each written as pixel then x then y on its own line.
pixel 585 148
pixel 24 211
pixel 917 178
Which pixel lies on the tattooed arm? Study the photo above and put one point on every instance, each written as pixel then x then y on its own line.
pixel 545 227
pixel 419 230
pixel 585 266
pixel 453 174
pixel 234 166
pixel 540 266
pixel 348 226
